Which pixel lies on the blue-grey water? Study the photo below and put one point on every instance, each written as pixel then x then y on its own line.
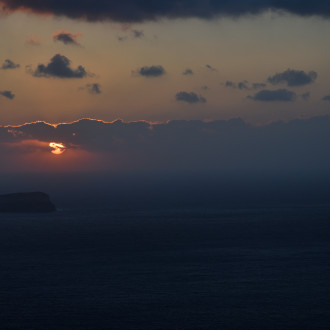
pixel 253 268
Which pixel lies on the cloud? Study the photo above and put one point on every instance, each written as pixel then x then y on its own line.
pixel 306 96
pixel 244 85
pixel 67 37
pixel 7 94
pixel 211 68
pixel 120 38
pixel 282 95
pixel 189 97
pixel 130 32
pixel 230 84
pixel 205 88
pixel 293 78
pixel 138 34
pixel 138 11
pixel 187 72
pixel 326 98
pixel 58 67
pixel 221 145
pixel 150 71
pixel 94 88
pixel 33 41
pixel 9 64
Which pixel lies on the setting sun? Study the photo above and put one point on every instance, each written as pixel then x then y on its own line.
pixel 58 148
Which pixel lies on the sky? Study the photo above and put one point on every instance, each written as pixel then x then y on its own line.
pixel 223 61
pixel 166 85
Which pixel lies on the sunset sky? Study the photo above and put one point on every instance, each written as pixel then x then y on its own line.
pixel 197 55
pixel 154 62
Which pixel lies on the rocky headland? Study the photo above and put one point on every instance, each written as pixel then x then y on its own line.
pixel 26 202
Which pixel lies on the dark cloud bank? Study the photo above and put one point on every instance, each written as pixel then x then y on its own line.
pixel 137 11
pixel 217 145
pixel 181 163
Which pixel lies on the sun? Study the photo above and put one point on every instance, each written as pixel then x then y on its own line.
pixel 58 148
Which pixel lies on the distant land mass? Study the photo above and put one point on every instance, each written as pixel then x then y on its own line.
pixel 26 202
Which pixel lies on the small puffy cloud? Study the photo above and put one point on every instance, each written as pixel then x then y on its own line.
pixel 282 95
pixel 211 68
pixel 120 38
pixel 189 97
pixel 8 94
pixel 150 71
pixel 326 98
pixel 244 85
pixel 94 88
pixel 306 96
pixel 293 78
pixel 130 32
pixel 67 37
pixel 9 64
pixel 33 41
pixel 138 33
pixel 230 84
pixel 187 72
pixel 58 67
pixel 205 88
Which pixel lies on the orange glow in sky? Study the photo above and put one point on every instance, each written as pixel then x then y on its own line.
pixel 58 148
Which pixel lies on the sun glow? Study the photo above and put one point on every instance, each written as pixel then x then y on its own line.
pixel 58 148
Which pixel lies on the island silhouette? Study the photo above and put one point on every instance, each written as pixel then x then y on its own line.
pixel 26 202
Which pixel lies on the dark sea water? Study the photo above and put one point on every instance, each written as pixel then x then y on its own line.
pixel 240 268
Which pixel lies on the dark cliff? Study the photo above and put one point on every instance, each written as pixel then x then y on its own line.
pixel 26 202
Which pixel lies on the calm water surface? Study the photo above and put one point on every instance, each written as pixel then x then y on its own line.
pixel 253 268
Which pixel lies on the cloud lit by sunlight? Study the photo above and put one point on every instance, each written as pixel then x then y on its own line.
pixel 58 148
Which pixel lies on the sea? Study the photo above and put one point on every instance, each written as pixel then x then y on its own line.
pixel 257 267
